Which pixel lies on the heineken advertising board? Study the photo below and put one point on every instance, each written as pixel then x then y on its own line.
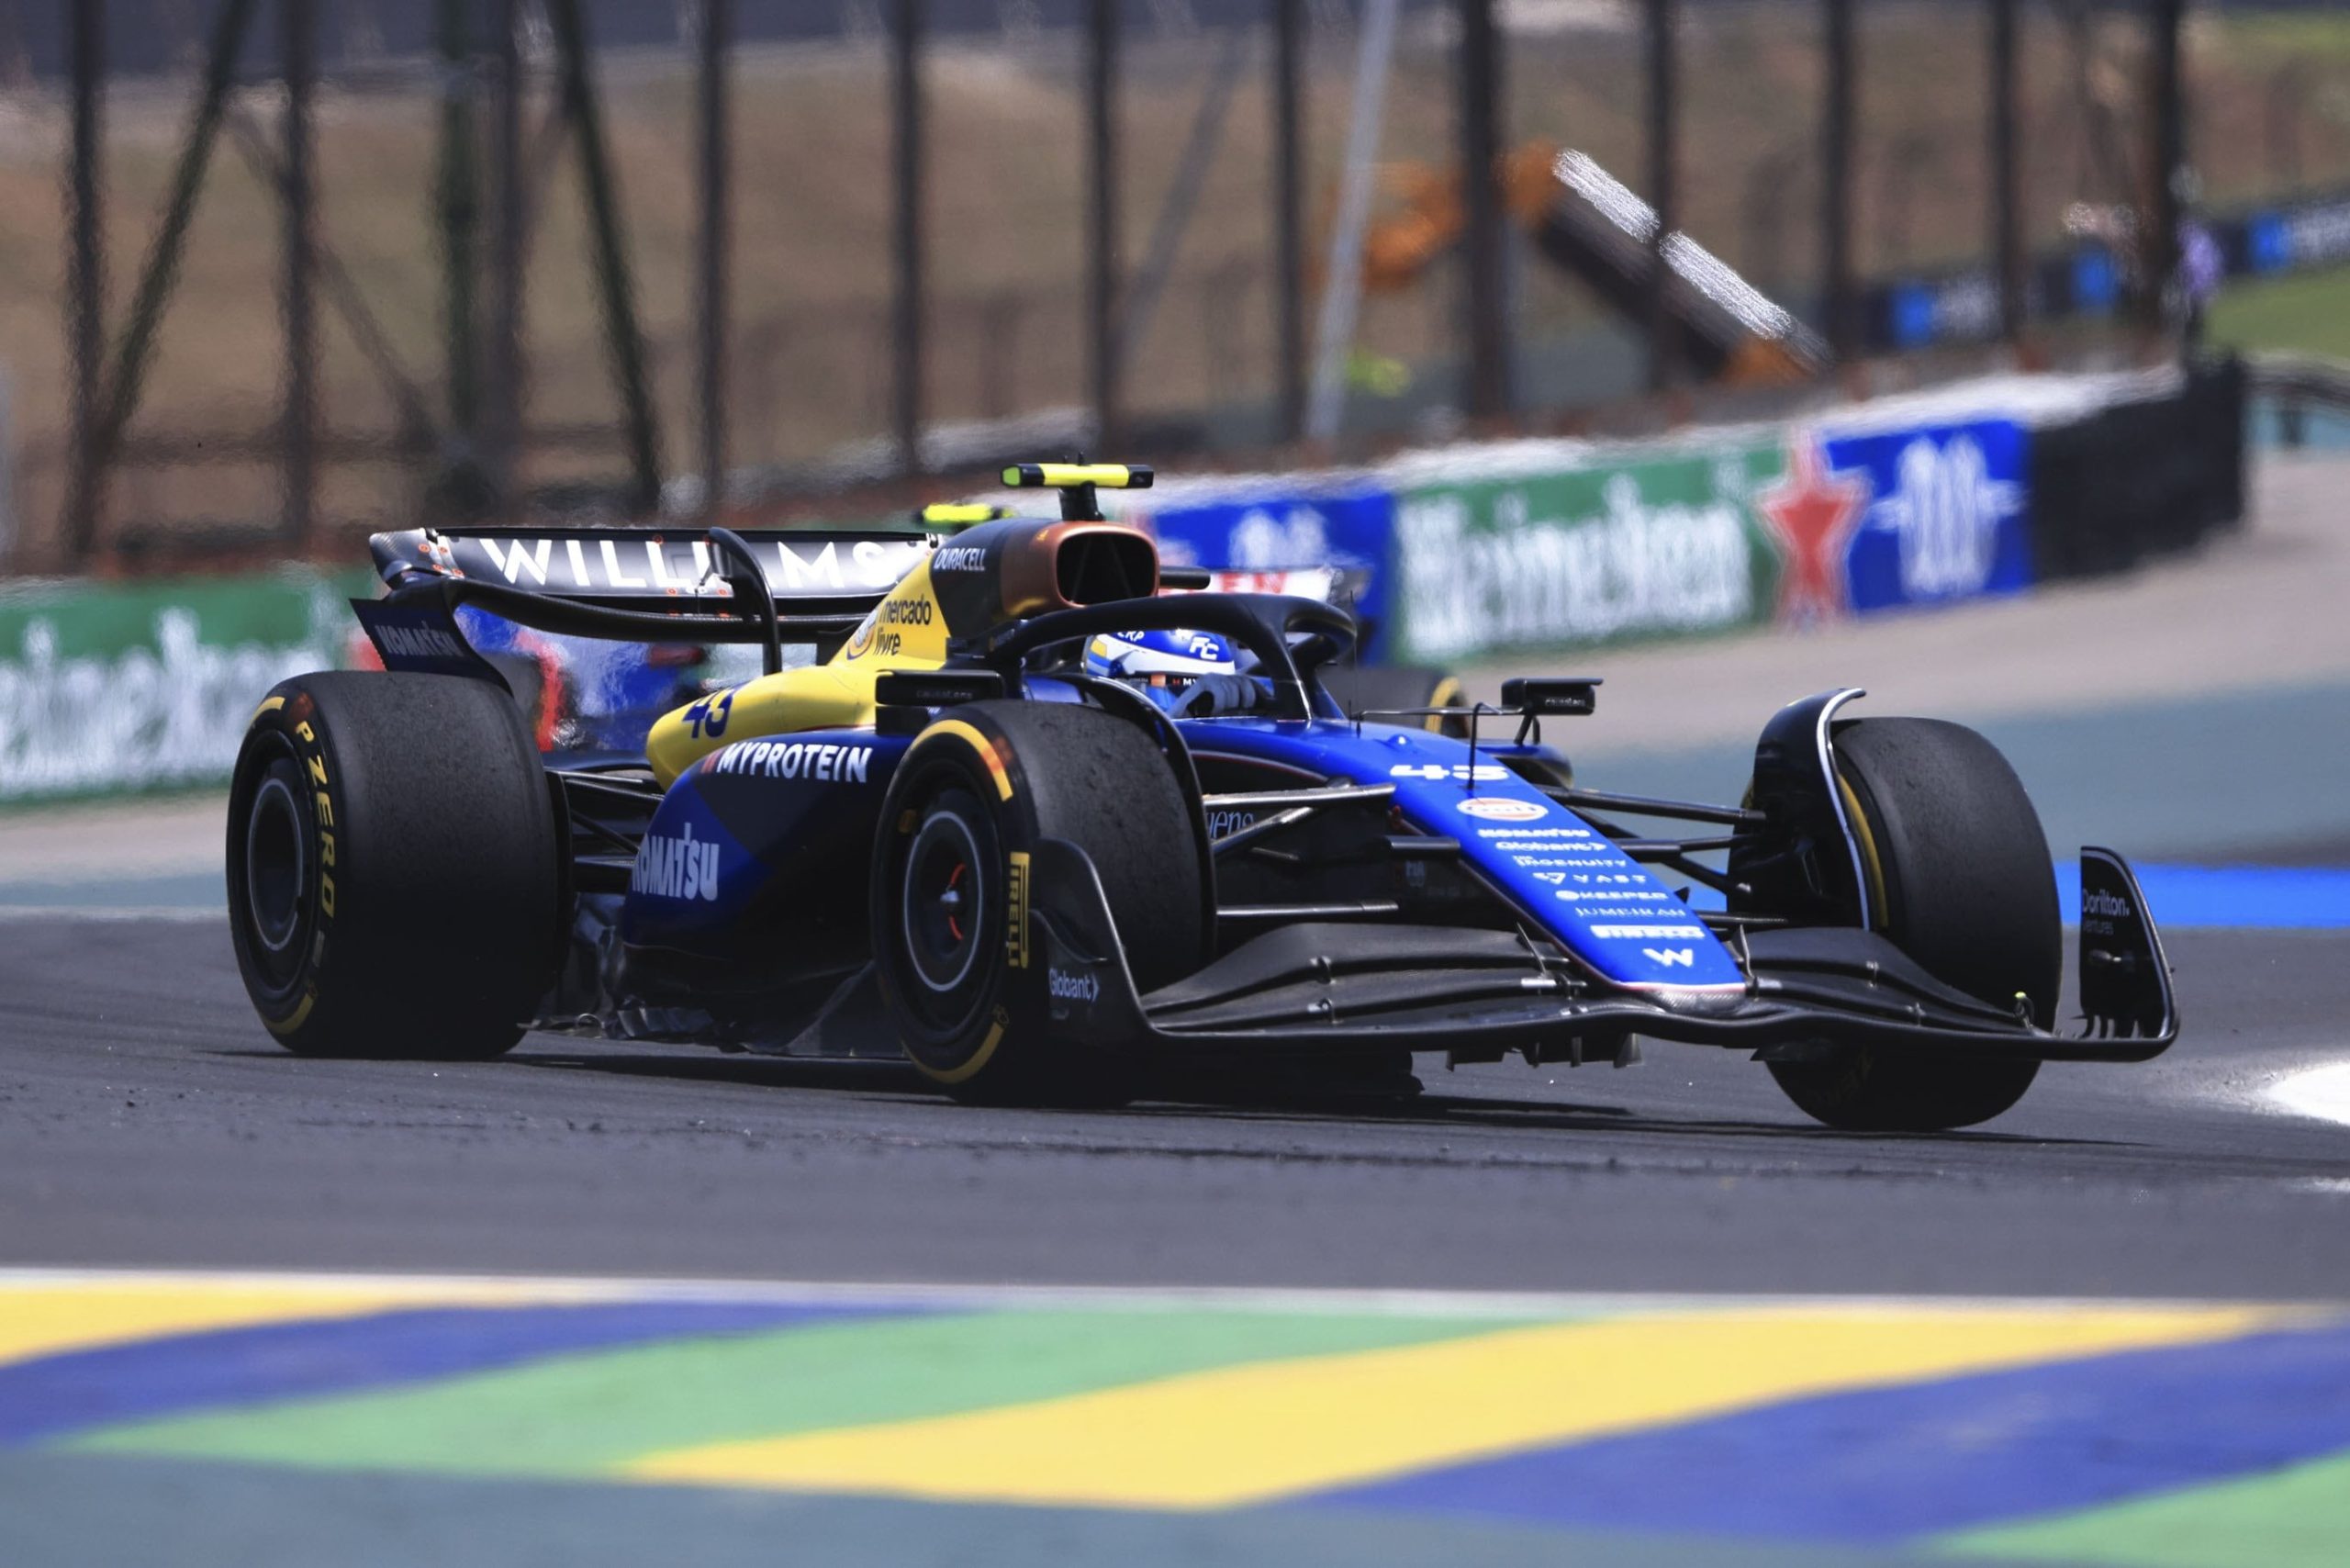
pixel 1580 556
pixel 106 688
pixel 1799 527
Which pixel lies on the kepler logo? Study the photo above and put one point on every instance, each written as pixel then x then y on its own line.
pixel 960 558
pixel 681 867
pixel 1067 987
pixel 796 759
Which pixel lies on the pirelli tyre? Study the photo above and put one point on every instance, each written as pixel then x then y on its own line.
pixel 1961 880
pixel 392 867
pixel 958 962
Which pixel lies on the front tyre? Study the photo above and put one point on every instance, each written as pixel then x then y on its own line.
pixel 392 867
pixel 953 946
pixel 1961 880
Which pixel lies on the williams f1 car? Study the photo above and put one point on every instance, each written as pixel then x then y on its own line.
pixel 967 833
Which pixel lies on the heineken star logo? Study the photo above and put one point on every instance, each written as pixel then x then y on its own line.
pixel 1815 513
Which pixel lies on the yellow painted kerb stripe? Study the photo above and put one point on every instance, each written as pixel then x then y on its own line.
pixel 47 1320
pixel 1248 1434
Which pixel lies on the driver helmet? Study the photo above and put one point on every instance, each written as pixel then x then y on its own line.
pixel 1162 664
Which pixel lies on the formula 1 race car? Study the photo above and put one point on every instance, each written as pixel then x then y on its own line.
pixel 992 829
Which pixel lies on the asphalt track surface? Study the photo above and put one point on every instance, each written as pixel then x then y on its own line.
pixel 146 1118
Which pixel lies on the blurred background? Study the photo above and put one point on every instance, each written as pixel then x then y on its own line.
pixel 1550 296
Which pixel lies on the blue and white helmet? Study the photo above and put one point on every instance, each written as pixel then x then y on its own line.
pixel 1160 661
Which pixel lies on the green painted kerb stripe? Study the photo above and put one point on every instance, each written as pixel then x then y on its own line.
pixel 586 1413
pixel 2297 1517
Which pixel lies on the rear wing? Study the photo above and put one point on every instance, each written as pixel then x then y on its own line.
pixel 628 584
pixel 812 573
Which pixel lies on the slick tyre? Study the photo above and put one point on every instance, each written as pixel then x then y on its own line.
pixel 1961 880
pixel 392 867
pixel 952 941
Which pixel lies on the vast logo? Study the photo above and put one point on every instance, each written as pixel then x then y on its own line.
pixel 677 867
pixel 1947 509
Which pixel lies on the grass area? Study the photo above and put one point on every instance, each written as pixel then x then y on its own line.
pixel 2307 314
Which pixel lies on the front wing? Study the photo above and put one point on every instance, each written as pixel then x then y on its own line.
pixel 1325 988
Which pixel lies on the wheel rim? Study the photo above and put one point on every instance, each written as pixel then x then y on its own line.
pixel 942 900
pixel 276 867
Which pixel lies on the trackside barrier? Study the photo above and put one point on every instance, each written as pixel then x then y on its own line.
pixel 111 688
pixel 2146 478
pixel 1549 545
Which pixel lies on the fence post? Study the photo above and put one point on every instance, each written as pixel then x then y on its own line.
pixel 85 23
pixel 1836 181
pixel 2168 161
pixel 1289 289
pixel 1490 394
pixel 906 163
pixel 299 69
pixel 1661 168
pixel 2007 216
pixel 1101 270
pixel 716 42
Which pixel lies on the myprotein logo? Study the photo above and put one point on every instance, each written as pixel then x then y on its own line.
pixel 1946 510
pixel 682 867
pixel 825 763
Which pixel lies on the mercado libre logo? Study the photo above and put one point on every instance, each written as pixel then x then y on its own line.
pixel 1813 513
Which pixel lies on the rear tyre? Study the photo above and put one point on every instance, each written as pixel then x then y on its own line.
pixel 1961 880
pixel 976 792
pixel 392 867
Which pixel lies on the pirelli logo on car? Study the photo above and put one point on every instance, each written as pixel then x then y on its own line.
pixel 1015 936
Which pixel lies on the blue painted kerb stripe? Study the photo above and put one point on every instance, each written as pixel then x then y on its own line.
pixel 2270 898
pixel 1913 1459
pixel 53 1395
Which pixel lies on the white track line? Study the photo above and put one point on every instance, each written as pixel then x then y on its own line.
pixel 2322 1093
pixel 1463 1303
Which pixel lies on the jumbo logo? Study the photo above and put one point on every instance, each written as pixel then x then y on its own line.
pixel 679 868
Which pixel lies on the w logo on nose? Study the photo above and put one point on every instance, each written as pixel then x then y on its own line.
pixel 1669 956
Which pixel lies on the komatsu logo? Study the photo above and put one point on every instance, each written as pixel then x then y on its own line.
pixel 422 642
pixel 679 868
